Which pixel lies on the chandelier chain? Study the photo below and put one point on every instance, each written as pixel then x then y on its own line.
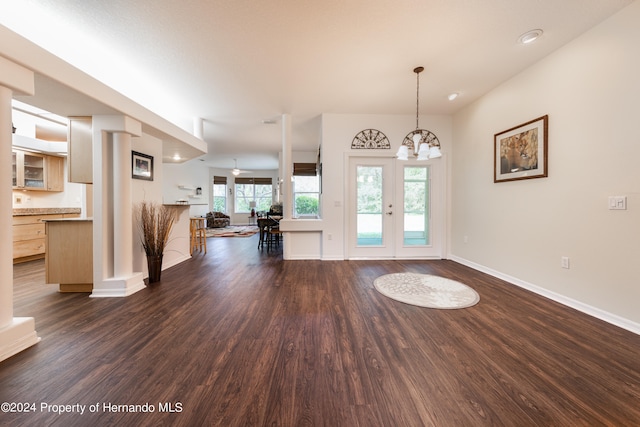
pixel 425 144
pixel 417 97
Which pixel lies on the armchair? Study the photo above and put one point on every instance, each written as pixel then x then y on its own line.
pixel 217 220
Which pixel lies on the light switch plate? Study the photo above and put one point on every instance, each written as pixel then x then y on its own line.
pixel 617 202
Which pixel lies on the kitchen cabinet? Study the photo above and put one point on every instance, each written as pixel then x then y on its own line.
pixel 35 171
pixel 80 150
pixel 29 237
pixel 69 259
pixel 29 234
pixel 28 170
pixel 55 173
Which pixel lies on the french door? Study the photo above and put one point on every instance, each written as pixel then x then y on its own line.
pixel 395 209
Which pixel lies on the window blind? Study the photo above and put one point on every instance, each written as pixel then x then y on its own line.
pixel 305 169
pixel 259 181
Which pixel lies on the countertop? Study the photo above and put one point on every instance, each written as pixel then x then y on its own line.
pixel 45 211
pixel 69 220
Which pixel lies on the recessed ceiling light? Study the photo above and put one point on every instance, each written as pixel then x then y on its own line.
pixel 453 96
pixel 529 36
pixel 176 157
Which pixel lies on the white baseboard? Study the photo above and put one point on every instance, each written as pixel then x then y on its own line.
pixel 299 257
pixel 173 262
pixel 562 299
pixel 17 336
pixel 118 287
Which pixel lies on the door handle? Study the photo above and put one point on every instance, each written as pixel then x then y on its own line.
pixel 389 213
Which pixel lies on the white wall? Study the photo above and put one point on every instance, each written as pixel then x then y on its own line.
pixel 177 249
pixel 338 131
pixel 304 157
pixel 590 90
pixel 188 175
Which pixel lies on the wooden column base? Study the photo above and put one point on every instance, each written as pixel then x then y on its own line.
pixel 76 287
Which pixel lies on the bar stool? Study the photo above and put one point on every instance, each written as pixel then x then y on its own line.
pixel 198 233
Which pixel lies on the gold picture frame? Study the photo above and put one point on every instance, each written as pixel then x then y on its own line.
pixel 521 152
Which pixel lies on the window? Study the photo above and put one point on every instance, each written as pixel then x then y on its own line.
pixel 306 190
pixel 219 194
pixel 259 190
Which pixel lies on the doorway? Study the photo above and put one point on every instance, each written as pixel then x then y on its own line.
pixel 395 209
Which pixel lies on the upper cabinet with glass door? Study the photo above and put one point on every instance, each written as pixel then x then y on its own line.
pixel 34 171
pixel 29 171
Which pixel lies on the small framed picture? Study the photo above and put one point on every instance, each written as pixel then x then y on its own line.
pixel 141 166
pixel 521 152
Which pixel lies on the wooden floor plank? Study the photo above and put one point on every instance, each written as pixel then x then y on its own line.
pixel 239 337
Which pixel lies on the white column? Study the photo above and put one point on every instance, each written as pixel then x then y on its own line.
pixel 6 212
pixel 286 168
pixel 198 127
pixel 122 207
pixel 113 274
pixel 16 333
pixel 286 189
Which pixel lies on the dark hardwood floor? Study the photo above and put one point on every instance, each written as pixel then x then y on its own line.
pixel 238 337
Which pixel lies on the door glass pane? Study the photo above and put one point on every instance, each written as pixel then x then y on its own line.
pixel 369 205
pixel 416 206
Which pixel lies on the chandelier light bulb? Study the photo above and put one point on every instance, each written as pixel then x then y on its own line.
pixel 434 152
pixel 423 153
pixel 403 153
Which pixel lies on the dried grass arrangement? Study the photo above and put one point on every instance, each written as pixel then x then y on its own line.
pixel 155 223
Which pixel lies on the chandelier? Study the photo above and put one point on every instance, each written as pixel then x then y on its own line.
pixel 425 144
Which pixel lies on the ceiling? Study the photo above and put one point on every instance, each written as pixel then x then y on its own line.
pixel 236 64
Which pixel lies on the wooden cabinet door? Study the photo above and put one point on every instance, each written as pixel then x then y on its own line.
pixel 80 150
pixel 55 173
pixel 29 234
pixel 29 248
pixel 28 231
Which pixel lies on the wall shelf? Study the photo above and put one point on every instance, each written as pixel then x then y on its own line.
pixel 194 194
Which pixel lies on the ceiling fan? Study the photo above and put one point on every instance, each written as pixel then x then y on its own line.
pixel 235 171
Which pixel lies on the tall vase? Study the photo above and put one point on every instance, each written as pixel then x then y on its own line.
pixel 154 264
